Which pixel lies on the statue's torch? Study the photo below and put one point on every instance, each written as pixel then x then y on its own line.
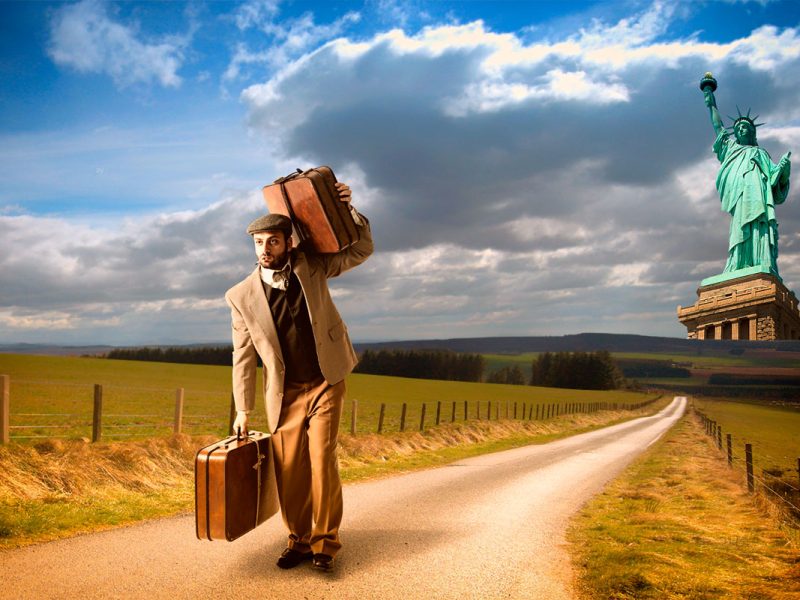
pixel 708 85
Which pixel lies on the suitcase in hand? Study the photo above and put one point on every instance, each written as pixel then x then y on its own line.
pixel 311 201
pixel 235 489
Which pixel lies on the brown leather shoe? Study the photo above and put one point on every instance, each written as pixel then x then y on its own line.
pixel 322 562
pixel 290 558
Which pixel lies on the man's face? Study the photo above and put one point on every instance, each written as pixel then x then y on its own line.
pixel 745 133
pixel 272 249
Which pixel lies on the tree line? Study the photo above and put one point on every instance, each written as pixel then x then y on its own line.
pixel 205 355
pixel 577 370
pixel 422 364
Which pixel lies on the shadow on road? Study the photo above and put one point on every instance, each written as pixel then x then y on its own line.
pixel 361 548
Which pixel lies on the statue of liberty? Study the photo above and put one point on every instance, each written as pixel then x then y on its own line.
pixel 749 186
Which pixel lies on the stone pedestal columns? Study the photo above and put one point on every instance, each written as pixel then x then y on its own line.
pixel 754 307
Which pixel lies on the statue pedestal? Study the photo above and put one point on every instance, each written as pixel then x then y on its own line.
pixel 750 307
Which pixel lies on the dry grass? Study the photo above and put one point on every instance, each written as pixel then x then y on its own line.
pixel 60 488
pixel 680 524
pixel 371 455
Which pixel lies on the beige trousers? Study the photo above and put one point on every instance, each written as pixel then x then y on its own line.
pixel 306 466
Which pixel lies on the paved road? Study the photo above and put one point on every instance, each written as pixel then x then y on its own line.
pixel 486 527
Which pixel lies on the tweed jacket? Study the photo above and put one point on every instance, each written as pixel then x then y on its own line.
pixel 254 333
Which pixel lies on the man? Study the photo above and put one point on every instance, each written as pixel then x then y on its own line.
pixel 749 186
pixel 284 314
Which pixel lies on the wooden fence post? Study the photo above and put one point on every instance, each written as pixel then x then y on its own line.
pixel 515 410
pixel 453 416
pixel 354 417
pixel 466 416
pixel 98 413
pixel 719 438
pixel 380 417
pixel 422 418
pixel 403 417
pixel 748 459
pixel 438 411
pixel 232 415
pixel 729 439
pixel 5 409
pixel 489 410
pixel 478 409
pixel 176 427
pixel 537 412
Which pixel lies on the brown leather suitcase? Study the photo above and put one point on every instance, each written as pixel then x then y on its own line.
pixel 310 200
pixel 235 489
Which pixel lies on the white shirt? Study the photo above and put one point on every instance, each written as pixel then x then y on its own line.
pixel 277 279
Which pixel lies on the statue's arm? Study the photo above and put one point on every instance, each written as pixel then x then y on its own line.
pixel 711 103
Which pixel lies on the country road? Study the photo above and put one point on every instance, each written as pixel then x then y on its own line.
pixel 488 527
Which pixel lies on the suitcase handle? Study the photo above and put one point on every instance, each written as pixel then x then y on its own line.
pixel 240 437
pixel 289 176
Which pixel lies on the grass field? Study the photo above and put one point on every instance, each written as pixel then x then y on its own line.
pixel 706 359
pixel 678 524
pixel 774 431
pixel 54 396
pixel 495 362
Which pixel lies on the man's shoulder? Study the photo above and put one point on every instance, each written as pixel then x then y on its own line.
pixel 304 255
pixel 240 288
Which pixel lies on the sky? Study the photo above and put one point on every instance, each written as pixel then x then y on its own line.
pixel 528 168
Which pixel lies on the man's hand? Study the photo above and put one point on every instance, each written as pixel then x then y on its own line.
pixel 345 195
pixel 240 422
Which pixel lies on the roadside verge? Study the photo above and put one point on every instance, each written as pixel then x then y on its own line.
pixel 679 524
pixel 57 489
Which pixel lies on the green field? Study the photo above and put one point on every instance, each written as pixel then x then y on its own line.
pixel 495 362
pixel 707 359
pixel 714 359
pixel 773 431
pixel 53 397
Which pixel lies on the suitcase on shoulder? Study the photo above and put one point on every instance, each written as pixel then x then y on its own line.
pixel 309 198
pixel 235 488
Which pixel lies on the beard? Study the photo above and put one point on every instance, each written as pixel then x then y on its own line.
pixel 274 261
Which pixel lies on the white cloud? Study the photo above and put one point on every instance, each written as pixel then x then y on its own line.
pixel 84 37
pixel 256 13
pixel 767 49
pixel 289 38
pixel 57 274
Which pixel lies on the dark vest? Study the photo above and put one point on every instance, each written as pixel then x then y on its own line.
pixel 290 314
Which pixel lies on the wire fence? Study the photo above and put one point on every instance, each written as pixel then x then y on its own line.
pixel 102 423
pixel 99 424
pixel 779 483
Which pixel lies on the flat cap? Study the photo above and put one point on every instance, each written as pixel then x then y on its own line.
pixel 271 222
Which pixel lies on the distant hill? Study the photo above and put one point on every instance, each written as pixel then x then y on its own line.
pixel 582 342
pixel 53 350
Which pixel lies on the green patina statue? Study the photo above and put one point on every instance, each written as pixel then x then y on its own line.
pixel 749 186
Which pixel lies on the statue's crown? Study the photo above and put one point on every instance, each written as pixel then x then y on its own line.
pixel 746 117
